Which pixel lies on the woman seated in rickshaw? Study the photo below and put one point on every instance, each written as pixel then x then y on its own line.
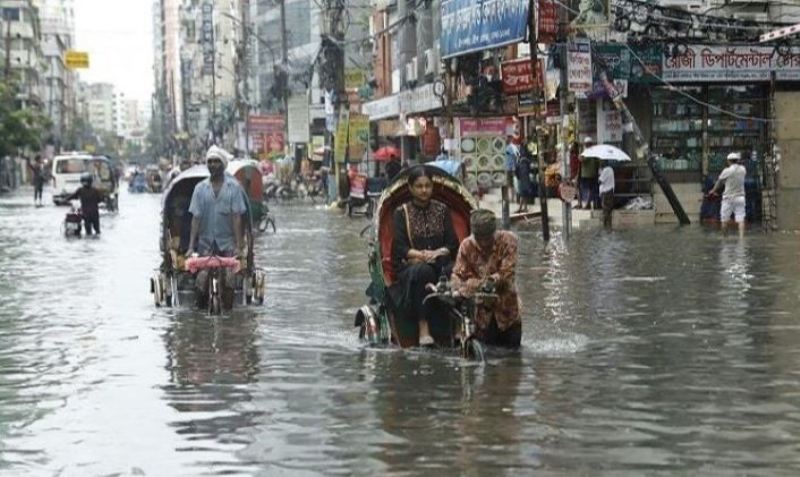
pixel 423 249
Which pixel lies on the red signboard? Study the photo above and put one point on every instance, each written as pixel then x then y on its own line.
pixel 518 77
pixel 547 22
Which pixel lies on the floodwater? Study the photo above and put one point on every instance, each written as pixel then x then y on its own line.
pixel 658 350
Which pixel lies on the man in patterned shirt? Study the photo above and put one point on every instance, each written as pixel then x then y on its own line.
pixel 490 255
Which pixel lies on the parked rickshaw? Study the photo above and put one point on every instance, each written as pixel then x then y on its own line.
pixel 376 320
pixel 248 173
pixel 173 284
pixel 153 176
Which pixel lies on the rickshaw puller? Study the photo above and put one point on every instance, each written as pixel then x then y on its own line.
pixel 490 255
pixel 217 207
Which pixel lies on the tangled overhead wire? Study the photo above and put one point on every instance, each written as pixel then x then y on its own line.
pixel 647 21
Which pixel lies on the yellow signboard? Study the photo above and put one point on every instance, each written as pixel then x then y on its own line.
pixel 358 137
pixel 76 59
pixel 340 139
pixel 354 78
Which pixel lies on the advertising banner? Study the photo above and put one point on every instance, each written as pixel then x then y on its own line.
pixel 340 139
pixel 474 25
pixel 731 63
pixel 579 67
pixel 266 135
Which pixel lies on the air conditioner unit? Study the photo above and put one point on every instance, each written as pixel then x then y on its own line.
pixel 760 17
pixel 688 5
pixel 430 61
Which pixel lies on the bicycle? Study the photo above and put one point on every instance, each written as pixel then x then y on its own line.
pixel 462 311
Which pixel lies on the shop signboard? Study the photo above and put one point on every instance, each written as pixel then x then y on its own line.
pixel 358 137
pixel 616 57
pixel 579 67
pixel 266 134
pixel 353 78
pixel 298 119
pixel 419 100
pixel 726 63
pixel 546 21
pixel 518 76
pixel 646 63
pixel 207 37
pixel 76 59
pixel 609 125
pixel 475 25
pixel 502 126
pixel 387 107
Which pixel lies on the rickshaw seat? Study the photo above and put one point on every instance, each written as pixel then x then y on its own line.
pixel 386 236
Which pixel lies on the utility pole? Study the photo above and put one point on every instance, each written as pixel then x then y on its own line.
pixel 332 70
pixel 538 101
pixel 245 68
pixel 566 207
pixel 284 73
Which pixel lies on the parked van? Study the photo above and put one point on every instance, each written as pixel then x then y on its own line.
pixel 67 170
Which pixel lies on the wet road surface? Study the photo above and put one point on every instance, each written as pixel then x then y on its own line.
pixel 644 350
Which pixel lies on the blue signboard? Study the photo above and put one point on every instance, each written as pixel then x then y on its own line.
pixel 474 25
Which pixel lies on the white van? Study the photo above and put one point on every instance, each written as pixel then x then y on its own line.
pixel 67 171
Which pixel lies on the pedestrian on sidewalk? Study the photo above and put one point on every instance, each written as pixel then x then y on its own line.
pixel 606 188
pixel 588 179
pixel 733 199
pixel 526 185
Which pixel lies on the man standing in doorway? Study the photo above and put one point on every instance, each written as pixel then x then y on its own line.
pixel 733 199
pixel 607 192
pixel 588 178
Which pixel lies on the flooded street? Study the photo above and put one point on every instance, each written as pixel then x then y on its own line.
pixel 658 349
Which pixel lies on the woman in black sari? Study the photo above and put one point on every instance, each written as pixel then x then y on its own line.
pixel 423 249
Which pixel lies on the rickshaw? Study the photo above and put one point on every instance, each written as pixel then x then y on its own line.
pixel 376 320
pixel 154 180
pixel 173 284
pixel 248 173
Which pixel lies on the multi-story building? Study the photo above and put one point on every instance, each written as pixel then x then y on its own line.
pixel 210 34
pixel 101 104
pixel 58 33
pixel 24 46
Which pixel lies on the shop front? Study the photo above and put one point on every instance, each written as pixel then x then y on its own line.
pixel 716 101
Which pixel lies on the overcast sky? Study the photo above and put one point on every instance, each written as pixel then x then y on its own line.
pixel 118 36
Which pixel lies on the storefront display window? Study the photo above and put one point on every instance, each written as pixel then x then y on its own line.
pixel 684 132
pixel 677 134
pixel 727 133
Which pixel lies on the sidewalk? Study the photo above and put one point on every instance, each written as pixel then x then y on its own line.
pixel 580 218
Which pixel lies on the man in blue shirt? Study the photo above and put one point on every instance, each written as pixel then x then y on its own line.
pixel 217 207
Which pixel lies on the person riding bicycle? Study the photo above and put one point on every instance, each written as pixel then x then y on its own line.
pixel 489 257
pixel 217 207
pixel 90 200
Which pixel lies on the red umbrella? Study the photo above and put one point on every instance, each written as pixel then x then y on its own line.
pixel 386 153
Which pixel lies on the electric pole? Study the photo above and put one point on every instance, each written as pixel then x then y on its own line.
pixel 539 102
pixel 284 73
pixel 566 207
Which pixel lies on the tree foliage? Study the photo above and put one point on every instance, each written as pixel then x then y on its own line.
pixel 20 128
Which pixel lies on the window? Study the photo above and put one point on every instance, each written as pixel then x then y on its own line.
pixel 11 14
pixel 72 166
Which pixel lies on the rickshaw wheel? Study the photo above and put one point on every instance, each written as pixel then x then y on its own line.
pixel 475 351
pixel 370 208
